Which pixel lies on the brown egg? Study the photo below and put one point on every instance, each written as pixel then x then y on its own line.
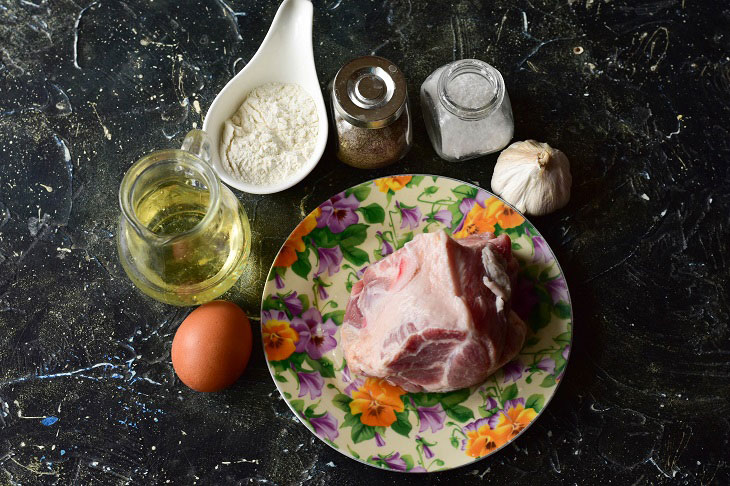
pixel 212 346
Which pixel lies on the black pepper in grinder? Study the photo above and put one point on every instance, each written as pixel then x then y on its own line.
pixel 371 114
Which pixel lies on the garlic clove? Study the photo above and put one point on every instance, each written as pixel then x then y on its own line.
pixel 533 177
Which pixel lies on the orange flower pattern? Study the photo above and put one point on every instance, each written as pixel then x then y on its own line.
pixel 483 218
pixel 514 420
pixel 483 440
pixel 393 183
pixel 377 401
pixel 489 434
pixel 279 338
pixel 295 243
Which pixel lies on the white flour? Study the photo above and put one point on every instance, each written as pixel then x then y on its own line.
pixel 271 135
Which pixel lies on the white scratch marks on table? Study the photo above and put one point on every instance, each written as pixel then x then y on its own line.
pixel 76 33
pixel 61 374
pixel 107 133
pixel 499 32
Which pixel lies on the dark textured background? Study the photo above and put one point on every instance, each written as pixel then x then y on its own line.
pixel 636 92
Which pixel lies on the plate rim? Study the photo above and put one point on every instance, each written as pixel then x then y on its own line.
pixel 478 459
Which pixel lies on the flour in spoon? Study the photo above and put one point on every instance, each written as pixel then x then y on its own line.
pixel 271 136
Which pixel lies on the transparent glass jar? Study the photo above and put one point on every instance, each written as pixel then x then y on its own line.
pixel 467 110
pixel 372 119
pixel 183 237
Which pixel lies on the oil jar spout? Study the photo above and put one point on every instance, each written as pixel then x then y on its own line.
pixel 197 142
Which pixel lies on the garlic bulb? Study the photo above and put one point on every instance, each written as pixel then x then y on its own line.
pixel 533 177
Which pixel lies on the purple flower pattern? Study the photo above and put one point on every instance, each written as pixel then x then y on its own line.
pixel 542 252
pixel 273 314
pixel 385 247
pixel 315 337
pixel 322 292
pixel 394 462
pixel 490 403
pixel 356 383
pixel 379 441
pixel 325 426
pixel 410 217
pixel 353 383
pixel 513 371
pixel 292 303
pixel 557 288
pixel 431 417
pixel 546 364
pixel 346 376
pixel 311 383
pixel 444 216
pixel 427 452
pixel 329 260
pixel 338 213
pixel 564 354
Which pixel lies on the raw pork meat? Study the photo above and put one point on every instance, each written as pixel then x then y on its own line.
pixel 435 315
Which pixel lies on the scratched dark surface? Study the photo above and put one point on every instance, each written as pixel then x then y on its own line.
pixel 636 92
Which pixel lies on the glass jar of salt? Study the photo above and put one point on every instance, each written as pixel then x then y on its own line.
pixel 467 110
pixel 370 112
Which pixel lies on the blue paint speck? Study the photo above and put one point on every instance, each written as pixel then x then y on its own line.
pixel 49 420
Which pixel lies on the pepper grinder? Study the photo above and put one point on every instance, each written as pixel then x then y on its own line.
pixel 371 113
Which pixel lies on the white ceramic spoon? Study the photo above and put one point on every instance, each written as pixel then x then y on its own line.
pixel 285 56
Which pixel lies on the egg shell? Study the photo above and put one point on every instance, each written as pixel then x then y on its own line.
pixel 212 346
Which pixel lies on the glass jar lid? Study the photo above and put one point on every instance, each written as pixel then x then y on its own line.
pixel 369 92
pixel 470 89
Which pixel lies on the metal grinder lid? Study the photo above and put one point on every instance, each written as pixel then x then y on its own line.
pixel 369 92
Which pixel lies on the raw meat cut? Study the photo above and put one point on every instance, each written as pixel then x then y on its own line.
pixel 435 315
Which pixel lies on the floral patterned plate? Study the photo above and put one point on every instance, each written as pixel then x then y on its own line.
pixel 368 419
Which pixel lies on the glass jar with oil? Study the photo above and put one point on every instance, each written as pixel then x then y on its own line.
pixel 183 236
